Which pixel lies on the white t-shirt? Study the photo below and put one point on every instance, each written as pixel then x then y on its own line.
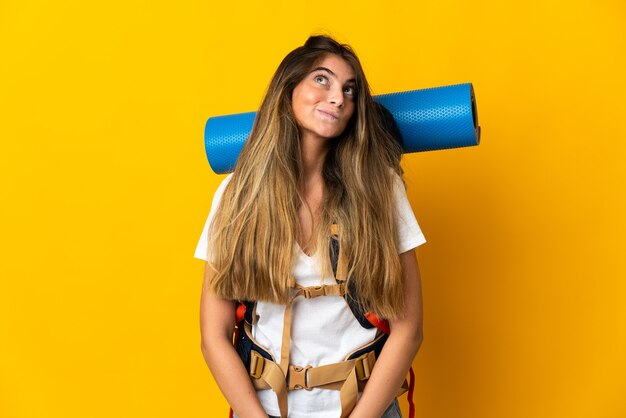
pixel 324 329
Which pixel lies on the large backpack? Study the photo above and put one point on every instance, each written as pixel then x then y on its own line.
pixel 348 376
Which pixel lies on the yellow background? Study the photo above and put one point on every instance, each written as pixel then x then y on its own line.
pixel 105 188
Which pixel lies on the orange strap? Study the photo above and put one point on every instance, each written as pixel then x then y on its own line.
pixel 379 323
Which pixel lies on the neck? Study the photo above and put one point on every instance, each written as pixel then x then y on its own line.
pixel 314 151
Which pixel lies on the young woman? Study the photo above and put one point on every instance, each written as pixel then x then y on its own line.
pixel 316 206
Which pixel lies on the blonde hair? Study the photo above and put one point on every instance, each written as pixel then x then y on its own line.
pixel 255 227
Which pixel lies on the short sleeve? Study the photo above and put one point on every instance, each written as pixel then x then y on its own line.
pixel 203 243
pixel 409 233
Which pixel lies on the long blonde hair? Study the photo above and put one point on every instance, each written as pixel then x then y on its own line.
pixel 255 227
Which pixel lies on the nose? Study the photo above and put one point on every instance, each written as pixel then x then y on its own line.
pixel 335 96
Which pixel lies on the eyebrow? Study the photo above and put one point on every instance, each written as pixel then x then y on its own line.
pixel 352 80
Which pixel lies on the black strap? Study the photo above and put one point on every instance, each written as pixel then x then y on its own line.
pixel 351 296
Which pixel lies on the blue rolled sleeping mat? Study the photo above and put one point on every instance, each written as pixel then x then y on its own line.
pixel 427 119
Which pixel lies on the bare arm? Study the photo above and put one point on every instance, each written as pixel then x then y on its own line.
pixel 397 354
pixel 217 323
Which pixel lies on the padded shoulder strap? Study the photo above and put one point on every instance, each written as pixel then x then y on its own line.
pixel 351 295
pixel 250 305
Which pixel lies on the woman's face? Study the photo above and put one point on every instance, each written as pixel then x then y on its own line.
pixel 323 102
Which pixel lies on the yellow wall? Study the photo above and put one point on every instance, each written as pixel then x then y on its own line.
pixel 105 188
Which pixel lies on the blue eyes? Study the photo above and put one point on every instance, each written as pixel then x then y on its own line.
pixel 323 80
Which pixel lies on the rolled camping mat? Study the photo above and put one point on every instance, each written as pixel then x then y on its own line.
pixel 428 119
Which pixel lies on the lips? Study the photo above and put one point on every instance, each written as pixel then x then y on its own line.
pixel 329 114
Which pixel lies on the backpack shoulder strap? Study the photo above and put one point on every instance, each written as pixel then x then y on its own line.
pixel 338 262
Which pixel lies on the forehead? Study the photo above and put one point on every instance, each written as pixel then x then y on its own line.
pixel 338 66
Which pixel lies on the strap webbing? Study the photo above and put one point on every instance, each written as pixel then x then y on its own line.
pixel 343 376
pixel 280 385
pixel 308 293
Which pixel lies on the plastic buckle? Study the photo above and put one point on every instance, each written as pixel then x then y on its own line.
pixel 297 377
pixel 257 362
pixel 313 292
pixel 362 366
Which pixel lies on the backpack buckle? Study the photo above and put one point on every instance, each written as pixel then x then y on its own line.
pixel 257 363
pixel 314 291
pixel 364 366
pixel 298 377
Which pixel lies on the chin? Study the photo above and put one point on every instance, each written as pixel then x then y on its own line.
pixel 331 133
pixel 330 137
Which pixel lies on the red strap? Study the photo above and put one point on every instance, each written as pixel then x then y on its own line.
pixel 375 320
pixel 409 395
pixel 230 414
pixel 240 312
